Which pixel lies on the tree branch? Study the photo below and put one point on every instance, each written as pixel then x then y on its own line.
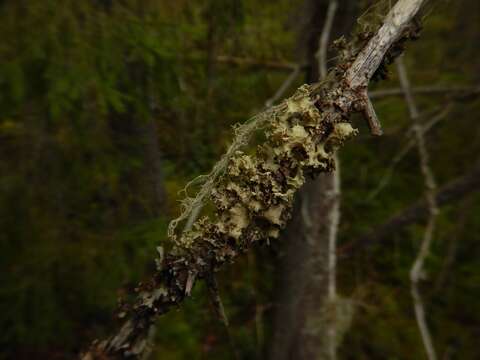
pixel 417 271
pixel 254 194
pixel 325 38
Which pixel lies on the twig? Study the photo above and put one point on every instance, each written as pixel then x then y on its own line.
pixel 325 38
pixel 334 217
pixel 417 270
pixel 371 116
pixel 368 61
pixel 334 222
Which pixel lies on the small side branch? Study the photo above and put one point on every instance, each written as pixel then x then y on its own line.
pixel 371 116
pixel 325 38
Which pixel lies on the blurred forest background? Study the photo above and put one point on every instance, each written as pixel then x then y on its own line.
pixel 108 108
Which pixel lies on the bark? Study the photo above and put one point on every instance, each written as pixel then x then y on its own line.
pixel 254 196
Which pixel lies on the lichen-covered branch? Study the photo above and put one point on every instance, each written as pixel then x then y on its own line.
pixel 253 197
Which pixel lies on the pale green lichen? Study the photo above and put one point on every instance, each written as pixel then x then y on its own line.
pixel 254 197
pixel 237 221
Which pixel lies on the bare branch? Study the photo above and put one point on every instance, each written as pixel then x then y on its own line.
pixel 371 116
pixel 325 38
pixel 417 271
